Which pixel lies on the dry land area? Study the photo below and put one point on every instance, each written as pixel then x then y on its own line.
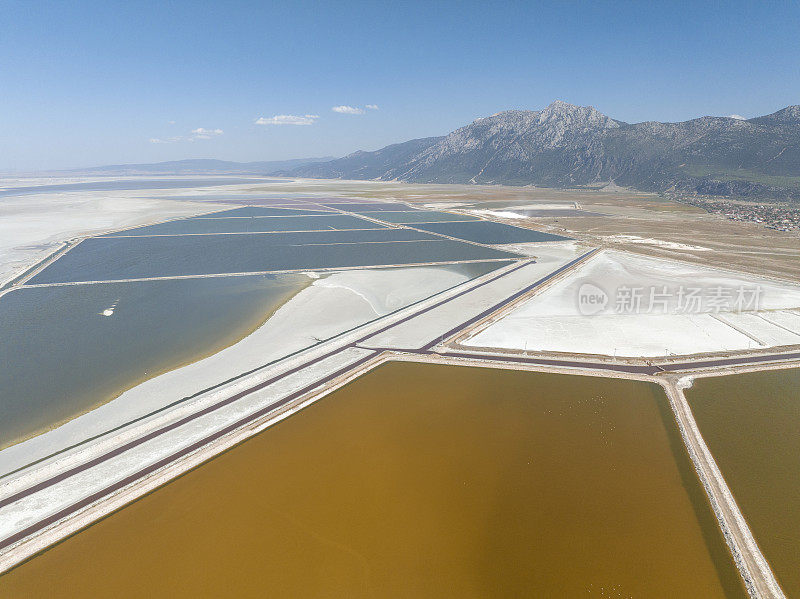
pixel 462 483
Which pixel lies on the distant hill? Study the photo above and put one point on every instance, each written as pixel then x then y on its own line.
pixel 567 146
pixel 201 167
pixel 368 165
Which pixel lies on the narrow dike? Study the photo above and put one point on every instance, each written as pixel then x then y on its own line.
pixel 756 573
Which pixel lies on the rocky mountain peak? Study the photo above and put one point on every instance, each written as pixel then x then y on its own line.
pixel 572 115
pixel 560 108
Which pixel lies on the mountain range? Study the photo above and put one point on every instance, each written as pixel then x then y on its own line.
pixel 200 167
pixel 564 145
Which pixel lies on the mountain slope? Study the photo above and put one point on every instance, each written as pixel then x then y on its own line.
pixel 368 165
pixel 565 145
pixel 551 145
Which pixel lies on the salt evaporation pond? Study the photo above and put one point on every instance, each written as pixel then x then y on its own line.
pixel 258 211
pixel 484 231
pixel 418 216
pixel 419 480
pixel 114 258
pixel 95 341
pixel 751 423
pixel 68 349
pixel 195 226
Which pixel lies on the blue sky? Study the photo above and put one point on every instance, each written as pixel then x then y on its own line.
pixel 86 83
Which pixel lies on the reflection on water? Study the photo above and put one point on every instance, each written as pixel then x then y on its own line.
pixel 67 349
pixel 751 423
pixel 421 481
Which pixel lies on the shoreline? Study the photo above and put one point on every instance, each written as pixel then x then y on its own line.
pixel 350 294
pixel 206 353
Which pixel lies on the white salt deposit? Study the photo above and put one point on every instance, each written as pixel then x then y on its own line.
pixel 645 307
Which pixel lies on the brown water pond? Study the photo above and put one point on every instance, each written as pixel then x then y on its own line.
pixel 751 423
pixel 421 480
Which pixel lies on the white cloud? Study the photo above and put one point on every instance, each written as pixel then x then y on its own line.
pixel 201 133
pixel 194 135
pixel 287 119
pixel 371 107
pixel 168 140
pixel 347 110
pixel 738 117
